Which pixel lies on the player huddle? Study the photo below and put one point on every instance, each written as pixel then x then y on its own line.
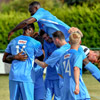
pixel 60 52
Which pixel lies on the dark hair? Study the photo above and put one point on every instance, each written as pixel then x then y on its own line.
pixel 40 39
pixel 59 35
pixel 29 26
pixel 42 32
pixel 34 3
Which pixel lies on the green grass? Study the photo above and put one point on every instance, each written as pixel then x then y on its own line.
pixel 92 85
pixel 4 88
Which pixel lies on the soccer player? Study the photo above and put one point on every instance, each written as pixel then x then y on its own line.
pixel 39 88
pixel 52 78
pixel 70 67
pixel 92 56
pixel 55 56
pixel 21 77
pixel 50 24
pixel 46 21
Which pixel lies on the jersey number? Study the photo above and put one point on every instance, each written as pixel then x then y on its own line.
pixel 67 67
pixel 22 49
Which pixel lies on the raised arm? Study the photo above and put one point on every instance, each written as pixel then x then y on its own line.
pixel 21 25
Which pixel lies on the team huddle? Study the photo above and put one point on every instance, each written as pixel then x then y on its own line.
pixel 56 46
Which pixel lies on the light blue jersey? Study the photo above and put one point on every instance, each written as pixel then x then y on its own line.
pixel 39 88
pixel 52 78
pixel 22 70
pixel 49 48
pixel 50 24
pixel 67 63
pixel 55 56
pixel 38 76
pixel 53 60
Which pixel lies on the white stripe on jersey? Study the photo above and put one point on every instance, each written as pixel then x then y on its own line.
pixel 49 21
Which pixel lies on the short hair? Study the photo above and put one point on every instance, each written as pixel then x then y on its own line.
pixel 75 38
pixel 40 39
pixel 42 32
pixel 34 3
pixel 79 32
pixel 59 35
pixel 29 26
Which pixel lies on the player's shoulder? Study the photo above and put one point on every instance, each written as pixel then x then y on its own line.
pixel 28 39
pixel 74 53
pixel 35 42
pixel 41 9
pixel 78 56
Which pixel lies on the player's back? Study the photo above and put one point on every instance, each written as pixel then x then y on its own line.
pixel 22 70
pixel 50 23
pixel 71 59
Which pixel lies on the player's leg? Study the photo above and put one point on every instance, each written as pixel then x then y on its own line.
pixel 57 94
pixel 39 93
pixel 27 90
pixel 48 89
pixel 39 88
pixel 14 90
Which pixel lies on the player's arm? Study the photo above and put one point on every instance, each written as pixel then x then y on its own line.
pixel 75 29
pixel 60 75
pixel 40 58
pixel 5 59
pixel 41 63
pixel 92 68
pixel 21 25
pixel 8 58
pixel 76 77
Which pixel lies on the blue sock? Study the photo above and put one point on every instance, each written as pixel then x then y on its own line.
pixel 94 70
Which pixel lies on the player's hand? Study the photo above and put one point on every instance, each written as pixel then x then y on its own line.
pixel 9 34
pixel 75 29
pixel 35 60
pixel 20 56
pixel 76 90
pixel 35 34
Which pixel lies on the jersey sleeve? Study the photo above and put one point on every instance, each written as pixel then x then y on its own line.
pixel 80 50
pixel 38 49
pixel 8 49
pixel 38 71
pixel 38 15
pixel 53 58
pixel 78 61
pixel 60 67
pixel 46 51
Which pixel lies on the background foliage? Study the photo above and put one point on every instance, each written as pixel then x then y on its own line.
pixel 84 15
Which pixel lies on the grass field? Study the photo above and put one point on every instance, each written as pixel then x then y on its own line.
pixel 92 85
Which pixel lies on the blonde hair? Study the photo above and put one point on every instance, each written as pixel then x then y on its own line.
pixel 75 38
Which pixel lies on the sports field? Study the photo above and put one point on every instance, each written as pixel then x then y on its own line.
pixel 92 85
